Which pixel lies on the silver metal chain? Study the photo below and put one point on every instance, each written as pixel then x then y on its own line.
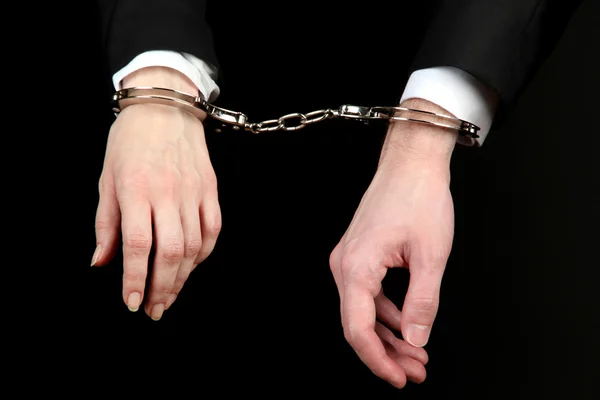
pixel 288 122
pixel 296 121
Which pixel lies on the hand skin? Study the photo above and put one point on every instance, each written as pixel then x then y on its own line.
pixel 405 219
pixel 157 190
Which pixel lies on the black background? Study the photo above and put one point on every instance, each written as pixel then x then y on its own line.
pixel 519 314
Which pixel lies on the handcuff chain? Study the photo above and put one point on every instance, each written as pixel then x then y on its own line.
pixel 360 113
pixel 289 122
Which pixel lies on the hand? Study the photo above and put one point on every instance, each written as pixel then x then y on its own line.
pixel 405 219
pixel 159 188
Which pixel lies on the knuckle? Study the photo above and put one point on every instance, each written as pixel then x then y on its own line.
pixel 213 227
pixel 161 291
pixel 133 276
pixel 348 336
pixel 172 252
pixel 347 268
pixel 193 246
pixel 136 179
pixel 105 185
pixel 355 265
pixel 141 179
pixel 102 226
pixel 334 258
pixel 210 179
pixel 436 259
pixel 426 306
pixel 433 257
pixel 169 183
pixel 355 336
pixel 348 260
pixel 352 254
pixel 171 175
pixel 138 242
pixel 190 180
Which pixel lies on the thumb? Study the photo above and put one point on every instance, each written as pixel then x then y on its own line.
pixel 421 304
pixel 108 224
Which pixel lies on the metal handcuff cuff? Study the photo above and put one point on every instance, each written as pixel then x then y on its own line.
pixel 238 121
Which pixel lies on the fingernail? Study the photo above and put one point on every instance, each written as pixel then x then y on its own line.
pixel 157 311
pixel 133 301
pixel 97 254
pixel 171 300
pixel 417 335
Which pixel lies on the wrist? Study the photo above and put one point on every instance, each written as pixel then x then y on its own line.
pixel 413 142
pixel 161 77
pixel 165 78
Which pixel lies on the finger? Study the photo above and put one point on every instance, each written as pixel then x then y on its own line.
pixel 359 329
pixel 210 218
pixel 400 346
pixel 136 224
pixel 335 259
pixel 169 245
pixel 421 304
pixel 335 267
pixel 190 223
pixel 108 223
pixel 414 370
pixel 387 312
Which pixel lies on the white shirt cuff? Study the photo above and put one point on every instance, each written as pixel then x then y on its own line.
pixel 202 74
pixel 458 92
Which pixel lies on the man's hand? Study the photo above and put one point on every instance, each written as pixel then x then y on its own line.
pixel 159 189
pixel 405 219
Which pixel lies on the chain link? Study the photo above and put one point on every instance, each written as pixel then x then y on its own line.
pixel 285 123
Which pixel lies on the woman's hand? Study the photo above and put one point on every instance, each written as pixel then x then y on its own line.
pixel 158 191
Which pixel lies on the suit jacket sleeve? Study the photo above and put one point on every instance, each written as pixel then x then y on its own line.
pixel 132 27
pixel 502 43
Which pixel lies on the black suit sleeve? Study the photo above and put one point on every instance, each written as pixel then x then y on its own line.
pixel 502 43
pixel 131 27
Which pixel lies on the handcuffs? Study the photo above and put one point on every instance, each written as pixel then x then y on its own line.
pixel 200 108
